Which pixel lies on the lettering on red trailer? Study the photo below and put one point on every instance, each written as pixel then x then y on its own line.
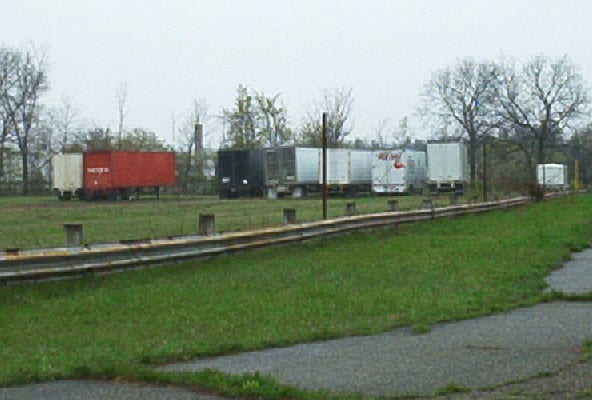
pixel 98 170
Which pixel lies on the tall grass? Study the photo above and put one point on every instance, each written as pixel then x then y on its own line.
pixel 362 283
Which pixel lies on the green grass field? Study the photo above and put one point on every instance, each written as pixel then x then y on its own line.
pixel 359 284
pixel 38 221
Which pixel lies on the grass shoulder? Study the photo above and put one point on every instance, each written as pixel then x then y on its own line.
pixel 359 284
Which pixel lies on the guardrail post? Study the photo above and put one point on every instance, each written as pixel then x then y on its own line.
pixel 74 234
pixel 289 216
pixel 207 224
pixel 392 205
pixel 427 204
pixel 350 209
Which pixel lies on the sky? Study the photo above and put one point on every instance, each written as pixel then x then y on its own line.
pixel 168 53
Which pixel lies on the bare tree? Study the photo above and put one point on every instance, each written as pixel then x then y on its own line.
pixel 24 78
pixel 537 104
pixel 3 138
pixel 338 104
pixel 380 130
pixel 140 139
pixel 401 135
pixel 6 85
pixel 99 139
pixel 256 121
pixel 464 95
pixel 274 117
pixel 42 146
pixel 242 121
pixel 65 122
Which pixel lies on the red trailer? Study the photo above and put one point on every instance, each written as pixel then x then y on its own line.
pixel 116 174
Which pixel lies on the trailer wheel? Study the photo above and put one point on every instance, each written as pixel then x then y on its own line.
pixel 123 194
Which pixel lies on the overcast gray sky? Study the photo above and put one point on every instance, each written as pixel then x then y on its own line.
pixel 169 52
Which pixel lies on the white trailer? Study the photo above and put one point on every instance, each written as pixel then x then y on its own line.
pixel 360 166
pixel 552 176
pixel 66 175
pixel 292 170
pixel 447 167
pixel 348 170
pixel 398 171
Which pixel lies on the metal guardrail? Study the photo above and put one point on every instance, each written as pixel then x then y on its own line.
pixel 62 262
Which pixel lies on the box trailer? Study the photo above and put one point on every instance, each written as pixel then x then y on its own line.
pixel 360 167
pixel 348 170
pixel 116 174
pixel 552 176
pixel 241 173
pixel 292 170
pixel 66 175
pixel 398 171
pixel 447 167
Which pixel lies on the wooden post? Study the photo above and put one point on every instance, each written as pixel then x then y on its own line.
pixel 427 204
pixel 74 235
pixel 392 205
pixel 350 209
pixel 289 216
pixel 207 224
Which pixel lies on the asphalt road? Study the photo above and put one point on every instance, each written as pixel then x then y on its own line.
pixel 575 277
pixel 96 390
pixel 476 353
pixel 473 353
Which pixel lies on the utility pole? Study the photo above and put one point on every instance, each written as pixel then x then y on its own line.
pixel 485 172
pixel 324 133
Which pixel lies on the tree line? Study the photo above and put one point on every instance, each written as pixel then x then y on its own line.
pixel 532 110
pixel 529 114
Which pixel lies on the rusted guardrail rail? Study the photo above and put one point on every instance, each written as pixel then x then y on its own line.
pixel 62 262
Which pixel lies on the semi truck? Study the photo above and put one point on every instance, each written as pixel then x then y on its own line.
pixel 241 173
pixel 398 171
pixel 447 167
pixel 552 176
pixel 111 174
